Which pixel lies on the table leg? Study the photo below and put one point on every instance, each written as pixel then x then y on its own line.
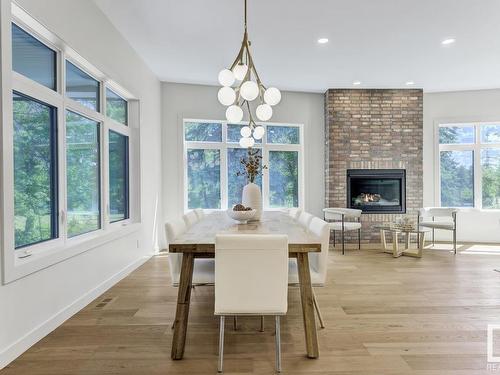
pixel 421 244
pixel 182 312
pixel 306 295
pixel 383 243
pixel 395 247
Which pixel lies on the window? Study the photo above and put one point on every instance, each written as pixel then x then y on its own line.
pixel 116 107
pixel 118 177
pixel 32 58
pixel 283 178
pixel 213 158
pixel 68 155
pixel 469 165
pixel 82 174
pixel 81 87
pixel 35 171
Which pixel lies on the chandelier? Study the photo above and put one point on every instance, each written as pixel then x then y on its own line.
pixel 247 87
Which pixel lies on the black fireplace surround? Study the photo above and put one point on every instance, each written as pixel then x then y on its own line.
pixel 377 190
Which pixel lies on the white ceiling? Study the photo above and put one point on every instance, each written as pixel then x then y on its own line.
pixel 382 43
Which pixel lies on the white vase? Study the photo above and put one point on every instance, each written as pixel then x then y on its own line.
pixel 252 197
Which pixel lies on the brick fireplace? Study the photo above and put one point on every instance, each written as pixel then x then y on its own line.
pixel 378 129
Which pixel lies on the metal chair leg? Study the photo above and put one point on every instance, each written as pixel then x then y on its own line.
pixel 359 239
pixel 455 241
pixel 334 238
pixel 262 323
pixel 278 344
pixel 221 343
pixel 316 307
pixel 343 243
pixel 235 323
pixel 433 243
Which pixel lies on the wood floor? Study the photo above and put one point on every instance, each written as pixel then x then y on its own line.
pixel 383 316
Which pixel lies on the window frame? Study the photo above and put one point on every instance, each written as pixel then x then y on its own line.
pixel 224 145
pixel 31 258
pixel 475 147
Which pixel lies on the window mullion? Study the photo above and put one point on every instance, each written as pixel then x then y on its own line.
pixel 478 173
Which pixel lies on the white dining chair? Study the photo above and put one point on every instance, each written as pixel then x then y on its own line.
pixel 319 261
pixel 337 218
pixel 304 219
pixel 251 277
pixel 190 218
pixel 199 213
pixel 439 218
pixel 294 212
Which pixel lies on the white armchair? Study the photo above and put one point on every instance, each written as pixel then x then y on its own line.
pixel 294 212
pixel 190 218
pixel 446 220
pixel 338 222
pixel 251 276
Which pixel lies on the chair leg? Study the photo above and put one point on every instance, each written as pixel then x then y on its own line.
pixel 343 243
pixel 359 239
pixel 278 344
pixel 235 323
pixel 334 238
pixel 433 243
pixel 316 307
pixel 221 343
pixel 262 323
pixel 455 241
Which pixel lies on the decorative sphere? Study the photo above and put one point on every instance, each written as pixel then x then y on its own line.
pixel 249 90
pixel 234 113
pixel 258 132
pixel 246 131
pixel 226 77
pixel 240 71
pixel 244 142
pixel 264 112
pixel 272 96
pixel 250 142
pixel 226 95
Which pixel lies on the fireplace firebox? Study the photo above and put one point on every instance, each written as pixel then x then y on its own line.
pixel 377 190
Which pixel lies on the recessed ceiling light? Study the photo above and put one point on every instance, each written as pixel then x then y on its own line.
pixel 322 40
pixel 356 83
pixel 410 83
pixel 447 41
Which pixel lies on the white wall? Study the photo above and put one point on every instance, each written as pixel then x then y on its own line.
pixel 32 306
pixel 461 106
pixel 181 101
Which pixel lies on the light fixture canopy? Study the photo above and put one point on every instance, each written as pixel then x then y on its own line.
pixel 249 87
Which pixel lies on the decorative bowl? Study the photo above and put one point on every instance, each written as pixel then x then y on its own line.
pixel 241 216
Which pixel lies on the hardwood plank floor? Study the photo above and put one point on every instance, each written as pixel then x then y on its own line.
pixel 383 316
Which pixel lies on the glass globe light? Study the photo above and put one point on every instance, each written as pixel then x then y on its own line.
pixel 244 142
pixel 234 113
pixel 226 95
pixel 272 96
pixel 246 131
pixel 240 71
pixel 258 132
pixel 250 142
pixel 264 112
pixel 249 90
pixel 226 77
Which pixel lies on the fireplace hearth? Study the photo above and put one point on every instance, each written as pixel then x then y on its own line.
pixel 377 190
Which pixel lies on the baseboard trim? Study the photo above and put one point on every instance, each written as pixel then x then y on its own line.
pixel 17 348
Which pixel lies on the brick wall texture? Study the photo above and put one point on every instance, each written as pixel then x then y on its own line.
pixel 373 129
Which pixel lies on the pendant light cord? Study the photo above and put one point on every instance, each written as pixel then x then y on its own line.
pixel 245 15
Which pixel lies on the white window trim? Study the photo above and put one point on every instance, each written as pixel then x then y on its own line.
pixel 21 262
pixel 224 145
pixel 476 147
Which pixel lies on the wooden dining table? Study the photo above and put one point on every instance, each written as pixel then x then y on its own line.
pixel 199 242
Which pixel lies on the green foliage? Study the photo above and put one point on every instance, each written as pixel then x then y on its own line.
pixel 283 179
pixel 203 178
pixel 457 179
pixel 33 172
pixel 118 176
pixel 203 132
pixel 116 107
pixel 82 170
pixel 490 164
